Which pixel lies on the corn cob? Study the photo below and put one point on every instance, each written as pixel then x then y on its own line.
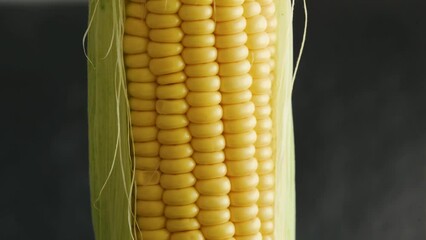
pixel 200 77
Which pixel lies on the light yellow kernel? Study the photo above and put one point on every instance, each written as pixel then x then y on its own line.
pixel 158 50
pixel 208 158
pixel 256 24
pixel 235 54
pixel 267 227
pixel 268 10
pixel 236 83
pixel 195 12
pixel 266 198
pixel 206 130
pixel 174 136
pixel 250 227
pixel 239 154
pixel 257 40
pixel 203 99
pixel 240 125
pixel 244 183
pixel 240 139
pixel 210 171
pixel 176 181
pixel 204 114
pixel 238 111
pixel 213 202
pixel 185 224
pixel 263 125
pixel 156 21
pixel 193 235
pixel 151 223
pixel 257 236
pixel 261 86
pixel 266 181
pixel 263 153
pixel 228 3
pixel 228 41
pixel 263 139
pixel 186 211
pixel 179 197
pixel 251 9
pixel 167 65
pixel 172 91
pixel 244 199
pixel 230 27
pixel 234 68
pixel 203 84
pixel 242 214
pixel 147 163
pixel 263 111
pixel 212 144
pixel 202 70
pixel 177 166
pixel 163 6
pixel 145 178
pixel 236 97
pixel 177 77
pixel 176 151
pixel 266 213
pixel 171 121
pixel 167 35
pixel 265 167
pixel 199 27
pixel 213 187
pixel 260 70
pixel 223 14
pixel 259 55
pixel 205 40
pixel 241 168
pixel 172 106
pixel 220 231
pixel 213 217
pixel 199 55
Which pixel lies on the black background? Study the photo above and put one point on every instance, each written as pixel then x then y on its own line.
pixel 359 111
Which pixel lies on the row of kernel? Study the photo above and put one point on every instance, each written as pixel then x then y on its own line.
pixel 204 115
pixel 261 89
pixel 175 151
pixel 238 118
pixel 141 87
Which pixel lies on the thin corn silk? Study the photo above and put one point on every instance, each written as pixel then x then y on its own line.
pixel 114 142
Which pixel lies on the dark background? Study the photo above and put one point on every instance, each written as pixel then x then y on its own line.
pixel 359 110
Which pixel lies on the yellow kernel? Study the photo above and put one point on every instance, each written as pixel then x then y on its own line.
pixel 213 187
pixel 230 27
pixel 156 21
pixel 145 178
pixel 261 86
pixel 139 75
pixel 241 168
pixel 144 134
pixel 176 151
pixel 264 124
pixel 185 224
pixel 179 197
pixel 177 77
pixel 266 181
pixel 199 55
pixel 166 35
pixel 134 44
pixel 193 235
pixel 172 91
pixel 267 227
pixel 213 202
pixel 220 231
pixel 267 237
pixel 272 37
pixel 203 99
pixel 235 54
pixel 262 111
pixel 197 2
pixel 143 119
pixel 244 199
pixel 142 90
pixel 199 27
pixel 137 27
pixel 204 114
pixel 240 139
pixel 236 97
pixel 136 60
pixel 244 183
pixel 266 198
pixel 202 70
pixel 264 2
pixel 263 139
pixel 136 10
pixel 167 65
pixel 141 105
pixel 228 3
pixel 260 70
pixel 172 106
pixel 223 14
pixel 236 83
pixel 251 8
pixel 171 121
pixel 147 163
pixel 147 149
pixel 212 144
pixel 193 12
pixel 208 158
pixel 163 6
pixel 186 211
pixel 240 125
pixel 149 193
pixel 242 214
pixel 158 50
pixel 238 111
pixel 259 55
pixel 174 136
pixel 272 24
pixel 268 10
pixel 238 154
pixel 256 24
pixel 250 227
pixel 177 166
pixel 257 40
pixel 210 171
pixel 265 167
pixel 149 208
pixel 263 153
pixel 161 234
pixel 228 41
pixel 205 130
pixel 234 68
pixel 213 217
pixel 151 223
pixel 176 181
pixel 266 213
pixel 205 40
